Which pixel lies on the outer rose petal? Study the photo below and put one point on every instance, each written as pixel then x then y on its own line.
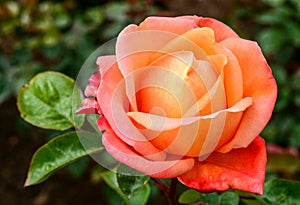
pixel 169 24
pixel 114 105
pixel 89 106
pixel 242 169
pixel 259 84
pixel 91 88
pixel 222 31
pixel 125 154
pixel 134 52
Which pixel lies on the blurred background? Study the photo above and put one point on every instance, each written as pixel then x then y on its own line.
pixel 40 35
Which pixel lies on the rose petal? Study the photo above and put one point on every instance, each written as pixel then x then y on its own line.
pixel 178 136
pixel 136 48
pixel 163 85
pixel 242 169
pixel 222 31
pixel 198 40
pixel 89 106
pixel 155 122
pixel 204 38
pixel 178 62
pixel 212 101
pixel 233 78
pixel 114 105
pixel 92 87
pixel 201 42
pixel 199 76
pixel 159 169
pixel 168 24
pixel 182 141
pixel 259 84
pixel 232 123
pixel 218 61
pixel 158 89
pixel 173 83
pixel 105 62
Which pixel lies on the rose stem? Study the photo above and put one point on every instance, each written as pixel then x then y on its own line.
pixel 172 193
pixel 169 192
pixel 162 186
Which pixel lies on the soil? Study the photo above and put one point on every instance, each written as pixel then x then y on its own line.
pixel 18 142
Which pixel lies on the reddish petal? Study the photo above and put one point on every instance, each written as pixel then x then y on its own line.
pixel 242 169
pixel 259 84
pixel 89 106
pixel 92 87
pixel 158 169
pixel 222 31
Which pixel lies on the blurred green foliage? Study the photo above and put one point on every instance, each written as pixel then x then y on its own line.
pixel 56 35
pixel 278 34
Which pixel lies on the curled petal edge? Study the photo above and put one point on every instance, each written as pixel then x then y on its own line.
pixel 89 106
pixel 146 119
pixel 157 169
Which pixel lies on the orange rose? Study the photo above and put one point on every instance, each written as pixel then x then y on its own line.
pixel 185 97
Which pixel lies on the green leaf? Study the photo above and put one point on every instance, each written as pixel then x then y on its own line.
pixel 131 185
pixel 110 179
pixel 209 199
pixel 248 198
pixel 252 202
pixel 140 198
pixel 190 196
pixel 59 152
pixel 229 198
pixel 282 192
pixel 46 101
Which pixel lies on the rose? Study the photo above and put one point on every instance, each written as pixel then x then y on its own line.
pixel 185 97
